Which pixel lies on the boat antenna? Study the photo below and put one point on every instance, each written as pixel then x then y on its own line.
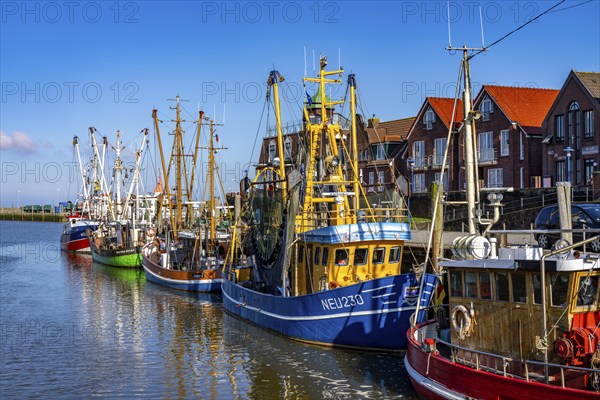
pixel 305 70
pixel 481 25
pixel 448 14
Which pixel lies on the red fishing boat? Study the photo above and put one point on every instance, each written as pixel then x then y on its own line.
pixel 522 324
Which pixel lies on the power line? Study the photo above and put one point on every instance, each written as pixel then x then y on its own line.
pixel 519 28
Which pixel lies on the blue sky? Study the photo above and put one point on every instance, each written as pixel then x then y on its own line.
pixel 67 66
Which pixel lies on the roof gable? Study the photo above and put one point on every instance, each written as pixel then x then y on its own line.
pixel 526 106
pixel 390 131
pixel 442 107
pixel 591 81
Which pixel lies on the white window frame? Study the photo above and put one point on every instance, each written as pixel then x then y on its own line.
pixel 588 124
pixel 521 146
pixel 485 142
pixel 288 148
pixel 379 152
pixel 380 180
pixel 429 118
pixel 419 153
pixel 495 178
pixel 439 149
pixel 272 150
pixel 419 183
pixel 504 143
pixel 371 181
pixel 486 108
pixel 559 128
pixel 444 183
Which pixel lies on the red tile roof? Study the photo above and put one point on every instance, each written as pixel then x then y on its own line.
pixel 443 108
pixel 527 106
pixel 390 131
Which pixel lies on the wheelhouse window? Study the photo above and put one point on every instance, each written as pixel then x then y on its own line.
pixel 537 288
pixel 325 255
pixel 560 284
pixel 456 284
pixel 394 255
pixel 504 149
pixel 341 257
pixel 300 254
pixel 317 255
pixel 379 255
pixel 485 286
pixel 471 285
pixel 502 292
pixel 519 289
pixel 587 295
pixel 361 256
pixel 588 124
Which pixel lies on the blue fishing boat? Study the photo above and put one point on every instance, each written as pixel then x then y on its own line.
pixel 310 257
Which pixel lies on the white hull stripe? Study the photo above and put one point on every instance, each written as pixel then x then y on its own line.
pixel 383 295
pixel 431 385
pixel 186 282
pixel 317 317
pixel 377 288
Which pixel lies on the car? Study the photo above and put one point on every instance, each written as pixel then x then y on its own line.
pixel 583 216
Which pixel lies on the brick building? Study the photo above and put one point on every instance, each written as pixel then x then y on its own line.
pixel 572 127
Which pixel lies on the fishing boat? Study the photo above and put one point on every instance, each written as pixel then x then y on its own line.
pixel 121 234
pixel 313 260
pixel 189 255
pixel 74 236
pixel 523 324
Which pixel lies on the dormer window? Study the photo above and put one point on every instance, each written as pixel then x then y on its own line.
pixel 429 118
pixel 486 109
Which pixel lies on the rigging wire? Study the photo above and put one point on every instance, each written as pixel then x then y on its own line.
pixel 519 28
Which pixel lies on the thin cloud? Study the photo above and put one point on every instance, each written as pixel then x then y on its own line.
pixel 18 141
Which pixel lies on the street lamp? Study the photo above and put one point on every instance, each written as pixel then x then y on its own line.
pixel 411 166
pixel 568 150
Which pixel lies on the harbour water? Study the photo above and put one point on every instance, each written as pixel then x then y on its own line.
pixel 71 328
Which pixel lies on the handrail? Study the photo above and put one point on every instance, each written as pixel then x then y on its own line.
pixel 505 362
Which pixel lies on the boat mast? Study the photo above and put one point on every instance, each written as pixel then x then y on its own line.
pixel 469 144
pixel 195 157
pixel 274 78
pixel 135 179
pixel 178 161
pixel 103 184
pixel 164 170
pixel 306 219
pixel 354 163
pixel 86 201
pixel 118 169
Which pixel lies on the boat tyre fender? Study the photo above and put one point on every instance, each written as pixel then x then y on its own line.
pixel 464 329
pixel 150 232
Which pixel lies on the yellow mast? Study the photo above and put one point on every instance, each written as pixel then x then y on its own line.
pixel 274 79
pixel 305 221
pixel 355 185
pixel 165 175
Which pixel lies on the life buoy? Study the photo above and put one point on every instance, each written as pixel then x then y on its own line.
pixel 150 232
pixel 464 329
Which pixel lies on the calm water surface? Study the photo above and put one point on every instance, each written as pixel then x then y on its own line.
pixel 71 328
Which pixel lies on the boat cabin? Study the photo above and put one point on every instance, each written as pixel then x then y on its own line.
pixel 496 305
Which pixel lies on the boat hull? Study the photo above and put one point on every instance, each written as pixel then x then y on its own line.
pixel 75 239
pixel 125 258
pixel 435 377
pixel 369 315
pixel 208 280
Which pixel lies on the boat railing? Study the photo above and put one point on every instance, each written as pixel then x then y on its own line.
pixel 529 370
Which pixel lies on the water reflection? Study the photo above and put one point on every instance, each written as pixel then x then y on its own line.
pixel 84 329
